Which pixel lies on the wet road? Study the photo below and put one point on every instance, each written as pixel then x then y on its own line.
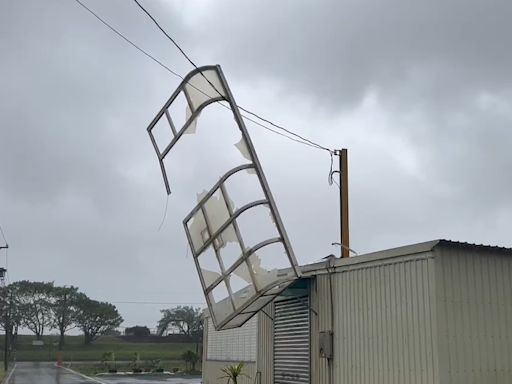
pixel 47 373
pixel 44 373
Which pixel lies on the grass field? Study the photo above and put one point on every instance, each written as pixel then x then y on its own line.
pixel 75 350
pixel 95 368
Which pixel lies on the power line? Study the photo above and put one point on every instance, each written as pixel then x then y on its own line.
pixel 299 139
pixel 242 108
pixel 166 34
pixel 157 303
pixel 312 143
pixel 104 22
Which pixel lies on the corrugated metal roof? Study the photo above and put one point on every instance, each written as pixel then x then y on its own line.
pixel 412 249
pixel 453 243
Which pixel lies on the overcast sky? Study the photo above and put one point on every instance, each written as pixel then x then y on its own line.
pixel 419 92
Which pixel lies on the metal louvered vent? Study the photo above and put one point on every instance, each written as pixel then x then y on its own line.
pixel 292 341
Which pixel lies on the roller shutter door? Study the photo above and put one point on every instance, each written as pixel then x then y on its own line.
pixel 292 341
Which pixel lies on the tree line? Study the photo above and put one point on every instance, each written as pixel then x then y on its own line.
pixel 186 320
pixel 43 306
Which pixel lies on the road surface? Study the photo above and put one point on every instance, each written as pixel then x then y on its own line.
pixel 48 373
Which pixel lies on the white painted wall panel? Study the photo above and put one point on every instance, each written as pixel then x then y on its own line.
pixel 237 344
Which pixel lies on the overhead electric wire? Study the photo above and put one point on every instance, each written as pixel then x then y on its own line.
pixel 166 34
pixel 158 303
pixel 312 143
pixel 104 22
pixel 299 139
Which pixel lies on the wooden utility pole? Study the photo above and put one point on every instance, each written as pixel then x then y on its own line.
pixel 344 226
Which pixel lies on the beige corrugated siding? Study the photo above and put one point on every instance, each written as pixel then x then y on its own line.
pixel 384 331
pixel 475 316
pixel 265 356
pixel 320 321
pixel 384 327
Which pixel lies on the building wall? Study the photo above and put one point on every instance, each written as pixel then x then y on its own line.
pixel 320 321
pixel 265 355
pixel 474 315
pixel 384 326
pixel 229 347
pixel 442 316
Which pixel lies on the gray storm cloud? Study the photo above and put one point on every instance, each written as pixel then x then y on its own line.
pixel 420 93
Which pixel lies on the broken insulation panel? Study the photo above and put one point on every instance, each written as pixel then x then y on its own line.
pixel 241 250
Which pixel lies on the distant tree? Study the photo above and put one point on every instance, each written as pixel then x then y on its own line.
pixel 138 331
pixel 65 308
pixel 10 318
pixel 186 319
pixel 34 301
pixel 112 332
pixel 96 318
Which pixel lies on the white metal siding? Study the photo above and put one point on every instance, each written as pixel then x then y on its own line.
pixel 320 321
pixel 291 341
pixel 475 316
pixel 237 344
pixel 384 327
pixel 265 359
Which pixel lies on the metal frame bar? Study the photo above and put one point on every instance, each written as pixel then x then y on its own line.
pixel 223 227
pixel 171 123
pixel 286 284
pixel 225 196
pixel 164 110
pixel 259 172
pixel 259 292
pixel 240 261
pixel 212 190
pixel 219 259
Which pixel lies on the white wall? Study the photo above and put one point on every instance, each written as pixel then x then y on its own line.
pixel 237 344
pixel 232 346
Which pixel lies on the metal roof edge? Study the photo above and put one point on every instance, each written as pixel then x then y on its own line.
pixel 461 244
pixel 378 255
pixel 427 246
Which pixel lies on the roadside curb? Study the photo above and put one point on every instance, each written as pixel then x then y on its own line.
pixel 78 374
pixel 6 379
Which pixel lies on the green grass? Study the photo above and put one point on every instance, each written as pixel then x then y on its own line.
pixel 75 350
pixel 92 369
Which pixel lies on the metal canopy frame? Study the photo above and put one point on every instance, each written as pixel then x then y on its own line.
pixel 212 237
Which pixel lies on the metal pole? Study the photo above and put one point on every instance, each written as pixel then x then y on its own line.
pixel 6 339
pixel 344 224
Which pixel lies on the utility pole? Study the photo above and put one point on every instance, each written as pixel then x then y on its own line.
pixel 6 339
pixel 344 224
pixel 7 314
